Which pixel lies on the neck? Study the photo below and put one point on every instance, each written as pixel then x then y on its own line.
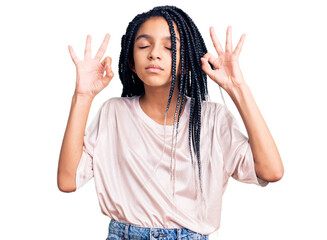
pixel 154 103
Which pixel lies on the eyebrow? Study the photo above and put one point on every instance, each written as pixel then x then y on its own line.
pixel 149 37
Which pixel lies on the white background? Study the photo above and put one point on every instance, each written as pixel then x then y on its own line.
pixel 283 60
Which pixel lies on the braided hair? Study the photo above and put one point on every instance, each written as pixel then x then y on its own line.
pixel 192 81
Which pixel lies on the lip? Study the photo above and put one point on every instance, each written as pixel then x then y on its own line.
pixel 153 68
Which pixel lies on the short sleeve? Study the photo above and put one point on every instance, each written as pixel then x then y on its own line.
pixel 84 170
pixel 237 154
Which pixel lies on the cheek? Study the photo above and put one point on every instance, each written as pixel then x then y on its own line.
pixel 137 60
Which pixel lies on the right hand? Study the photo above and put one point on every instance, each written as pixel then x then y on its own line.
pixel 89 72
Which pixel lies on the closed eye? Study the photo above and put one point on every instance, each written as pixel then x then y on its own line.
pixel 147 46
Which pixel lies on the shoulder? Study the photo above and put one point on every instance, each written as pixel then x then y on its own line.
pixel 118 101
pixel 214 108
pixel 218 113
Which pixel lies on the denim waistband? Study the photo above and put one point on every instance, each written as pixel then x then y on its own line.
pixel 126 231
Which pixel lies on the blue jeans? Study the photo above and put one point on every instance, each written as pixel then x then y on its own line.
pixel 127 231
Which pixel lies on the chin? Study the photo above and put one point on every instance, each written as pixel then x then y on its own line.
pixel 156 82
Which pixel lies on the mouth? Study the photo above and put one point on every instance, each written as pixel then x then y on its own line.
pixel 154 68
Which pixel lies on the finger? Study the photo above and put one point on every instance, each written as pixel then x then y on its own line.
pixel 229 46
pixel 216 42
pixel 87 52
pixel 106 62
pixel 215 62
pixel 73 55
pixel 103 47
pixel 109 74
pixel 206 68
pixel 239 45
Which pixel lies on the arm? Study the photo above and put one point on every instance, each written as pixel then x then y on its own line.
pixel 267 161
pixel 72 145
pixel 89 82
pixel 227 74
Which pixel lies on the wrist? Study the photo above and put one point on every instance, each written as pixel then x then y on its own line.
pixel 238 93
pixel 78 97
pixel 83 96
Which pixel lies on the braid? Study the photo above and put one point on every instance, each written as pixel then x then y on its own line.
pixel 173 38
pixel 192 81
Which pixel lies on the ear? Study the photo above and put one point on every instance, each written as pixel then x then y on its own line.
pixel 131 65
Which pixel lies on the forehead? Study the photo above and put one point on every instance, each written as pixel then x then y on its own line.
pixel 156 27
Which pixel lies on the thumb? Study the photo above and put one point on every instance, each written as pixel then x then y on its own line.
pixel 207 69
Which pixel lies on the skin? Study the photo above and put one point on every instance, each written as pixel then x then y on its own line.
pixel 228 75
pixel 152 46
pixel 89 82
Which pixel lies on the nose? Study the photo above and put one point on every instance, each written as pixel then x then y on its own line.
pixel 154 53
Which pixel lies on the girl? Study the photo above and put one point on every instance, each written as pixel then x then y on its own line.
pixel 149 191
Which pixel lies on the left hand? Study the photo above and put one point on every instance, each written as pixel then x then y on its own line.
pixel 227 72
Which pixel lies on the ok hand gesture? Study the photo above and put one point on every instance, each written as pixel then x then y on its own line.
pixel 89 72
pixel 227 72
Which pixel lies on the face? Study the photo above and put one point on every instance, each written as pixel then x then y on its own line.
pixel 153 54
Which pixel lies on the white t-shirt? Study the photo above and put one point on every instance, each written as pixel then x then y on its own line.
pixel 123 151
